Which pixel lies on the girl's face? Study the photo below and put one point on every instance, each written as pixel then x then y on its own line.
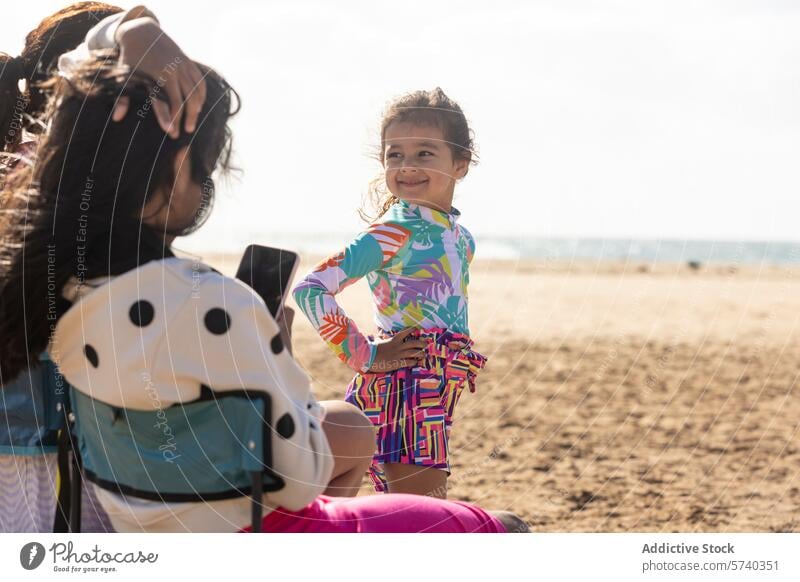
pixel 419 165
pixel 173 208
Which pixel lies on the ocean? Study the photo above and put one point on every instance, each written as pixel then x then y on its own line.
pixel 553 249
pixel 645 250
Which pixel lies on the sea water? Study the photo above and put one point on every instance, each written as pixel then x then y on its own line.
pixel 548 249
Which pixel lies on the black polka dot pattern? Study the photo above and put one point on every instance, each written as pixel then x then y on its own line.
pixel 91 355
pixel 285 426
pixel 217 321
pixel 142 313
pixel 276 344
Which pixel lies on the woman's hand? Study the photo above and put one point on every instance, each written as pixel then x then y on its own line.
pixel 285 320
pixel 397 352
pixel 146 49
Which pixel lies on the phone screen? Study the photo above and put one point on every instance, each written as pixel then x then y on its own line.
pixel 269 272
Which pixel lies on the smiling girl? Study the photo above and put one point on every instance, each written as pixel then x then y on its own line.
pixel 416 259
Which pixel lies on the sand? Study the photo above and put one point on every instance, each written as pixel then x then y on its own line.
pixel 620 397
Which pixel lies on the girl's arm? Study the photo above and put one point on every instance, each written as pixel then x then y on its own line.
pixel 315 295
pixel 146 49
pixel 103 35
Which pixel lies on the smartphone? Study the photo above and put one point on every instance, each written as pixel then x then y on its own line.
pixel 269 271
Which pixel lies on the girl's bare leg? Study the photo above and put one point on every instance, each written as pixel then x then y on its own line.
pixel 415 479
pixel 352 439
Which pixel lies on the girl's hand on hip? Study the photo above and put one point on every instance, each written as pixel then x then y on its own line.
pixel 397 352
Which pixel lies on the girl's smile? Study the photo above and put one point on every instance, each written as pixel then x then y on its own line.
pixel 410 181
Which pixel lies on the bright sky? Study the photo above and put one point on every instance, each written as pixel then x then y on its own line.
pixel 635 118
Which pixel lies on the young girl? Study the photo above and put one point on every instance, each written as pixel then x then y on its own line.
pixel 416 260
pixel 142 333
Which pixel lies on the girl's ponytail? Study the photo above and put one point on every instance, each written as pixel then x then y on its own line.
pixel 57 34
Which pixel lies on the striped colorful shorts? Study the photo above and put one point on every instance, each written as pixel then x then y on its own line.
pixel 413 407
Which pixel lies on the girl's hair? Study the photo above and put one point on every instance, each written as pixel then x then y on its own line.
pixel 427 108
pixel 75 214
pixel 57 34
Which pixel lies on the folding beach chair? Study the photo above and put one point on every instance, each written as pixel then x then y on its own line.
pixel 213 448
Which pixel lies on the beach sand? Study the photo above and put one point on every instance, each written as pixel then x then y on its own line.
pixel 620 397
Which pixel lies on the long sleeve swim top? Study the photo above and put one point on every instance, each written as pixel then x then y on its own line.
pixel 416 261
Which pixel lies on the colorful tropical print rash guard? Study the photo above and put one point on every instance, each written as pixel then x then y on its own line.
pixel 416 260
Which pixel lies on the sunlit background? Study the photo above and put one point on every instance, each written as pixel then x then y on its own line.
pixel 628 119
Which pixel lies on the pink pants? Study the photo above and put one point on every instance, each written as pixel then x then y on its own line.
pixel 391 513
